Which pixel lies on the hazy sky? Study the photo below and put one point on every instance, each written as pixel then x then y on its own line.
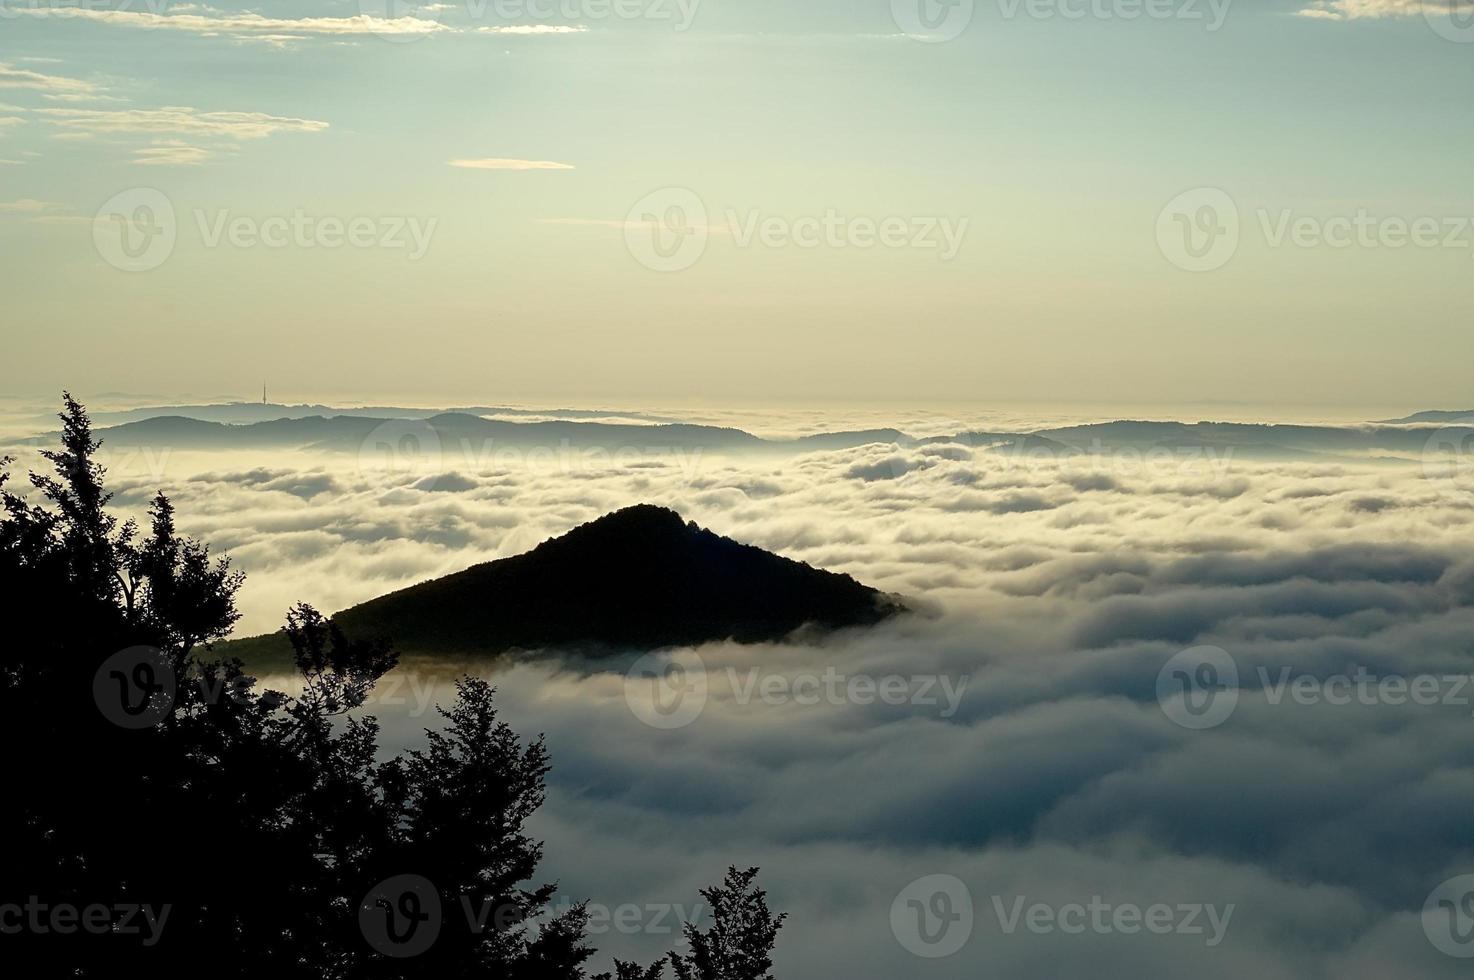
pixel 783 200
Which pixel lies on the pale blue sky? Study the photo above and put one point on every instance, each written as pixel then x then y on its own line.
pixel 1049 145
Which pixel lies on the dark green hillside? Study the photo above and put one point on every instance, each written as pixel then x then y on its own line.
pixel 637 579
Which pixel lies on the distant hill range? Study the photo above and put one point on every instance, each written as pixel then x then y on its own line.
pixel 244 413
pixel 1439 417
pixel 462 436
pixel 467 437
pixel 635 580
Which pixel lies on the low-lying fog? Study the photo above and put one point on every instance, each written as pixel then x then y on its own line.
pixel 1014 737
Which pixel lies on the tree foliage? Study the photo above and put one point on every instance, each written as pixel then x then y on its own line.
pixel 740 940
pixel 264 821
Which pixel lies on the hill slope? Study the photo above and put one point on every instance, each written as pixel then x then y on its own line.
pixel 639 578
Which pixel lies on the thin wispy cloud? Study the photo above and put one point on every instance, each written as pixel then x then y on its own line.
pixel 1373 9
pixel 80 97
pixel 284 30
pixel 12 77
pixel 26 205
pixel 248 24
pixel 172 153
pixel 176 120
pixel 64 219
pixel 534 29
pixel 503 163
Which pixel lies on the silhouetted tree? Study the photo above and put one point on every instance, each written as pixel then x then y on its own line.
pixel 633 971
pixel 143 771
pixel 739 943
pixel 737 946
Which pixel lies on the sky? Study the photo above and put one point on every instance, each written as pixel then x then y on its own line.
pixel 746 202
pixel 754 204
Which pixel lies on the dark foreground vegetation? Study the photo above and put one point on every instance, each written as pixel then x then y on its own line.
pixel 165 817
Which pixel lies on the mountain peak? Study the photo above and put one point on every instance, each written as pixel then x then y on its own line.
pixel 637 518
pixel 638 578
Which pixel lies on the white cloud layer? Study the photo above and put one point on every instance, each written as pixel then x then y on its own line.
pixel 1058 588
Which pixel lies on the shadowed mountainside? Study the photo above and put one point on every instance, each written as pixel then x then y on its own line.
pixel 457 436
pixel 1439 416
pixel 640 578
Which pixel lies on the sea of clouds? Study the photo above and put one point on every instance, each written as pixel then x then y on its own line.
pixel 1045 797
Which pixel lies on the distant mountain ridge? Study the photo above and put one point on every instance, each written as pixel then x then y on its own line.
pixel 469 435
pixel 352 433
pixel 1432 416
pixel 640 578
pixel 458 431
pixel 245 413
